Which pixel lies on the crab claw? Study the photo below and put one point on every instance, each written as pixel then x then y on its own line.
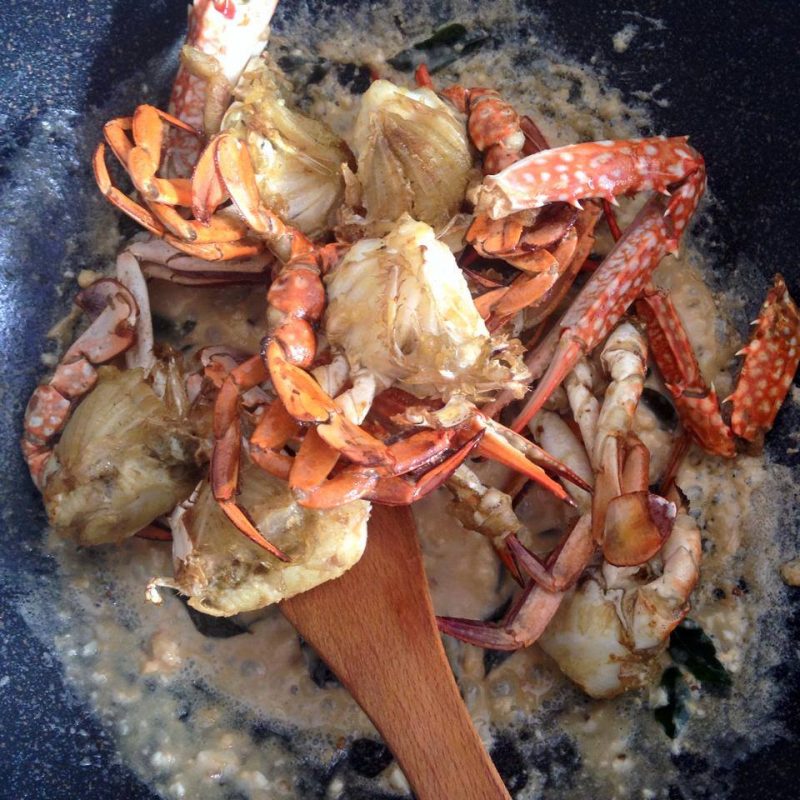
pixel 771 359
pixel 636 526
pixel 498 449
pixel 592 169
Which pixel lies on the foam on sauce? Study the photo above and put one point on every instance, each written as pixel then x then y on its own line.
pixel 241 716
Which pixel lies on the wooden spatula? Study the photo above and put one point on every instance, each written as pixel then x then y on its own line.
pixel 375 629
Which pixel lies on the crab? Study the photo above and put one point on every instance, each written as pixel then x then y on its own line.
pixel 379 373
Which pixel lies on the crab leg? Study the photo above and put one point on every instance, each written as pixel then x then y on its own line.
pixel 159 259
pixel 275 428
pixel 585 407
pixel 229 31
pixel 114 315
pixel 234 173
pixel 316 458
pixel 307 402
pixel 565 564
pixel 616 283
pixel 498 449
pixel 142 157
pixel 227 448
pixel 118 198
pixel 525 622
pixel 487 511
pixel 222 237
pixel 696 402
pixel 528 617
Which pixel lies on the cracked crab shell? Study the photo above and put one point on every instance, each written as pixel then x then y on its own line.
pixel 413 155
pixel 123 460
pixel 400 308
pixel 224 573
pixel 297 160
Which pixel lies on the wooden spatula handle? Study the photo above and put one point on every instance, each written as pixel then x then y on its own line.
pixel 392 661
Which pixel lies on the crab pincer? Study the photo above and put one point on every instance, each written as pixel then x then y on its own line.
pixel 603 169
pixel 771 359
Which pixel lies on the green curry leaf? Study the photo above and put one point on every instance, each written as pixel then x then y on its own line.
pixel 443 47
pixel 673 715
pixel 692 648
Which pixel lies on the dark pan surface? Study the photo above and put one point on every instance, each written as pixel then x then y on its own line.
pixel 730 69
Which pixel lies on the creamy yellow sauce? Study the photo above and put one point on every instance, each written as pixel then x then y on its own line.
pixel 184 708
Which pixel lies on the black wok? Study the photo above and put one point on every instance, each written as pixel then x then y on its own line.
pixel 730 70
